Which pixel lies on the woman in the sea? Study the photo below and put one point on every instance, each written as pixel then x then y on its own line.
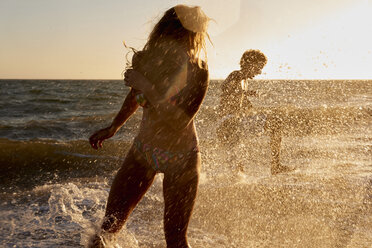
pixel 169 80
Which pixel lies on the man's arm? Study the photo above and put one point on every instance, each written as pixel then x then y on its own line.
pixel 230 94
pixel 251 93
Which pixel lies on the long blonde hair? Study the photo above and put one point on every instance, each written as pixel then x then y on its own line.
pixel 169 33
pixel 168 49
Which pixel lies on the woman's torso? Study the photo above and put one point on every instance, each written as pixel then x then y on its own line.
pixel 158 133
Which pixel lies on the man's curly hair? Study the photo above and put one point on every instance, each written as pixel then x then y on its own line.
pixel 253 56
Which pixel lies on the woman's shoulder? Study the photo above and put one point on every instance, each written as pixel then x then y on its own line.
pixel 200 70
pixel 203 65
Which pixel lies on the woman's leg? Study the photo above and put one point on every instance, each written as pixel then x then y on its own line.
pixel 180 187
pixel 130 184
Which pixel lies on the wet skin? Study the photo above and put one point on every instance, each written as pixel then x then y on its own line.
pixel 166 126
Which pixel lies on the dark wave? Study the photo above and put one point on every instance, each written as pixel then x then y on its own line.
pixel 30 163
pixel 53 100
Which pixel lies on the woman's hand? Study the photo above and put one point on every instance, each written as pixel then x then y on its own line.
pixel 136 80
pixel 98 137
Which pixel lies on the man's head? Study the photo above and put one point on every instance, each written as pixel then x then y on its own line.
pixel 252 63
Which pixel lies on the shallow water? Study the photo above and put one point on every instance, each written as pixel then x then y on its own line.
pixel 54 186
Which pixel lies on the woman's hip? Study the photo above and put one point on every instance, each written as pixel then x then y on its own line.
pixel 163 160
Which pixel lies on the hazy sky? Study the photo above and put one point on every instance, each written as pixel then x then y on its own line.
pixel 73 39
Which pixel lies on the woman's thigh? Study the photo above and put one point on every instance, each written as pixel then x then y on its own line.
pixel 180 188
pixel 129 185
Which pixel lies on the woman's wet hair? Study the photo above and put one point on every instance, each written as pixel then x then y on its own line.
pixel 166 39
pixel 169 46
pixel 170 32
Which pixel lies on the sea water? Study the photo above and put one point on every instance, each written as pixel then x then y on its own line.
pixel 54 187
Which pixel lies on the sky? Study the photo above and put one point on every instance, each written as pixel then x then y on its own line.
pixel 83 39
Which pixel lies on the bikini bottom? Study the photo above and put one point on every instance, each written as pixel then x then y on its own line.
pixel 158 158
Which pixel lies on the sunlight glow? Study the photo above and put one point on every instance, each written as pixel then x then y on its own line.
pixel 339 47
pixel 223 15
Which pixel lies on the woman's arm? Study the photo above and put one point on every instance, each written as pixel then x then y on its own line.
pixel 128 108
pixel 180 115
